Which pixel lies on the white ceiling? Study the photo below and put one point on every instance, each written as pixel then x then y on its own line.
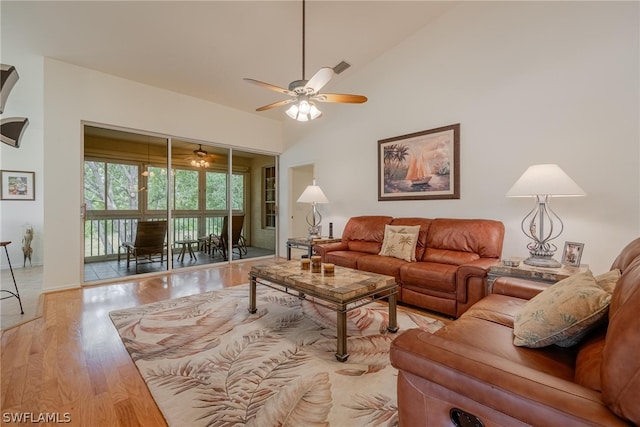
pixel 205 48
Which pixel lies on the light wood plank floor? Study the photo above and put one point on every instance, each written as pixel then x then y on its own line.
pixel 71 360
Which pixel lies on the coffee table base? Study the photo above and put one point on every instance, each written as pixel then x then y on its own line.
pixel 341 310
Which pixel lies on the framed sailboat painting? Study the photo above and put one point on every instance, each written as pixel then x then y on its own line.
pixel 420 166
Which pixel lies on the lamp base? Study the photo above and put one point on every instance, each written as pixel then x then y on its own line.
pixel 542 261
pixel 315 232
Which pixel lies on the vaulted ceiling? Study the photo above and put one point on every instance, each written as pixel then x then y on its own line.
pixel 205 48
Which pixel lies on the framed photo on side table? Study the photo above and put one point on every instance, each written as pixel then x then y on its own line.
pixel 572 254
pixel 17 185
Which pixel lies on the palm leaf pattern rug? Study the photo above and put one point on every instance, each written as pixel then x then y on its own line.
pixel 208 362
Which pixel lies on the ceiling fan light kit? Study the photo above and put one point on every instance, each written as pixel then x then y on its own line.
pixel 304 92
pixel 200 160
pixel 303 111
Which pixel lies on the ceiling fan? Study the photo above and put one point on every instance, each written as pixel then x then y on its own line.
pixel 200 158
pixel 304 92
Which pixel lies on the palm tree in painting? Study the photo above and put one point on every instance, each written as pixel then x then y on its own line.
pixel 394 157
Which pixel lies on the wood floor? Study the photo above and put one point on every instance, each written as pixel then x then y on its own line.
pixel 71 362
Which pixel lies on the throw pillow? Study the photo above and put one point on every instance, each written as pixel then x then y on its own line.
pixel 561 314
pixel 400 241
pixel 608 280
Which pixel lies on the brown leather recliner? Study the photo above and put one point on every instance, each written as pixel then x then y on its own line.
pixel 470 370
pixel 452 258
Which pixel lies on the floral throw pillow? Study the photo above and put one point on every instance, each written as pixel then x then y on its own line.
pixel 608 280
pixel 400 241
pixel 561 314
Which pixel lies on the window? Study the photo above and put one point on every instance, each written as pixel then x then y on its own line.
pixel 237 192
pixel 110 186
pixel 216 191
pixel 156 188
pixel 185 189
pixel 269 207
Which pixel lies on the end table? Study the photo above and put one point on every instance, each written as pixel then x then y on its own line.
pixel 305 243
pixel 529 272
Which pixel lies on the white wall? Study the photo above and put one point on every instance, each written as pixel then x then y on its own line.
pixel 25 100
pixel 73 94
pixel 530 82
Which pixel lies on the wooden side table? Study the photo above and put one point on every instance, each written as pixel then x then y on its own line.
pixel 529 272
pixel 305 243
pixel 15 294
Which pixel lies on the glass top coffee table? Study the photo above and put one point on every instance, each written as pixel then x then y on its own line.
pixel 346 290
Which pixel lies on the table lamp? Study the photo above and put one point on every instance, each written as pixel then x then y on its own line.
pixel 542 224
pixel 313 194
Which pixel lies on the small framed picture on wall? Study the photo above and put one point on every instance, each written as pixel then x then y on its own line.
pixel 572 254
pixel 17 185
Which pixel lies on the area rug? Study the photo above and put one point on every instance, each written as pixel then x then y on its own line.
pixel 208 362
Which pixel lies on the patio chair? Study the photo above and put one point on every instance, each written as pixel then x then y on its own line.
pixel 149 243
pixel 238 241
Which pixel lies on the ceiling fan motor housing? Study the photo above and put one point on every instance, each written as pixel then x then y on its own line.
pixel 297 86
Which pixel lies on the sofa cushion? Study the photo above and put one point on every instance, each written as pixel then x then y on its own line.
pixel 627 256
pixel 381 265
pixel 365 233
pixel 344 258
pixel 424 224
pixel 429 275
pixel 496 308
pixel 444 256
pixel 562 314
pixel 496 339
pixel 589 359
pixel 480 236
pixel 621 364
pixel 364 246
pixel 400 241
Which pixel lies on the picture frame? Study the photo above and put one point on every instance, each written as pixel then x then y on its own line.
pixel 420 166
pixel 17 185
pixel 572 254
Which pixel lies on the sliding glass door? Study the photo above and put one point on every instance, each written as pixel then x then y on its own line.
pixel 124 174
pixel 218 204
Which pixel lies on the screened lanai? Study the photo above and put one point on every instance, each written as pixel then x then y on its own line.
pixel 196 189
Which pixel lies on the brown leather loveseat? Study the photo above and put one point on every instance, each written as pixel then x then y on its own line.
pixel 452 258
pixel 471 371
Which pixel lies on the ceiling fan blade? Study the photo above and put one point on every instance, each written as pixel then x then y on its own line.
pixel 275 104
pixel 340 97
pixel 271 87
pixel 319 79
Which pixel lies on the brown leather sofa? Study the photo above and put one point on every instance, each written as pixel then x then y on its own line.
pixel 470 370
pixel 453 256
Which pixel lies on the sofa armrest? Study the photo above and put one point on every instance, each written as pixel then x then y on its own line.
pixel 519 288
pixel 323 248
pixel 465 276
pixel 534 397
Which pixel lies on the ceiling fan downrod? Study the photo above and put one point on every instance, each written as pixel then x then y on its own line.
pixel 303 37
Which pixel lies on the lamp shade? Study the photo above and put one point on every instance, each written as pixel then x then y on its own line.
pixel 313 194
pixel 547 180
